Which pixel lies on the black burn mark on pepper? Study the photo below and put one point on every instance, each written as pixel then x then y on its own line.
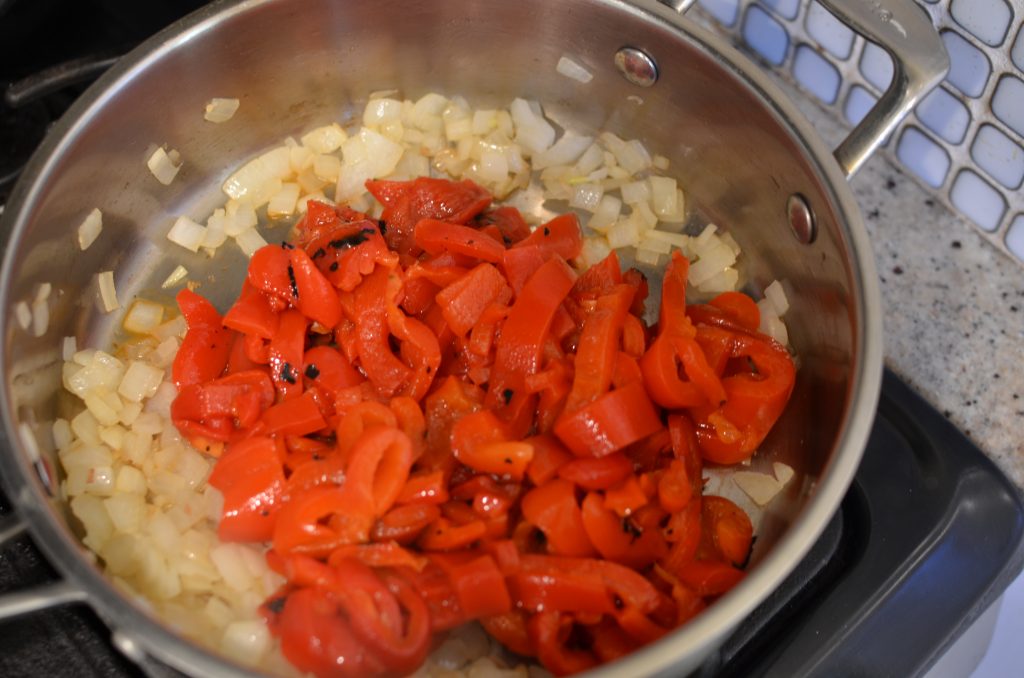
pixel 351 240
pixel 312 372
pixel 288 373
pixel 333 266
pixel 321 252
pixel 292 282
pixel 507 395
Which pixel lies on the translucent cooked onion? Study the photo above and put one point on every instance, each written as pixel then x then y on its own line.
pixel 571 69
pixel 220 110
pixel 108 294
pixel 164 165
pixel 90 229
pixel 187 233
pixel 176 276
pixel 143 317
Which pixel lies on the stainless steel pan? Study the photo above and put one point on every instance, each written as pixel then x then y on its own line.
pixel 747 159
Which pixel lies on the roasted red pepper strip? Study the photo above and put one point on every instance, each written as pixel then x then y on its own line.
pixel 561 236
pixel 286 354
pixel 598 347
pixel 518 352
pixel 316 298
pixel 610 423
pixel 552 507
pixel 731 433
pixel 387 373
pixel 435 236
pixel 251 478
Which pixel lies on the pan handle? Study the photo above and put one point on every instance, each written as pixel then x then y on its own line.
pixel 920 62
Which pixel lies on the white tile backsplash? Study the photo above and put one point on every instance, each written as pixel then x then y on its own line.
pixel 944 114
pixel 766 35
pixel 976 198
pixel 999 156
pixel 1008 102
pixel 832 34
pixel 964 140
pixel 987 20
pixel 969 68
pixel 876 66
pixel 816 74
pixel 923 156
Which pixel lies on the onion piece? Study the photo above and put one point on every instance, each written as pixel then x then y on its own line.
pixel 220 110
pixel 606 214
pixel 187 233
pixel 533 132
pixel 40 316
pixel 255 178
pixel 108 294
pixel 283 202
pixel 164 165
pixel 783 472
pixel 760 487
pixel 69 348
pixel 176 276
pixel 90 229
pixel 143 317
pixel 573 70
pixel 565 151
pixel 777 296
pixel 250 241
pixel 326 139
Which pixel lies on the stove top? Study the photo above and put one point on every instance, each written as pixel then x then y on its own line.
pixel 929 535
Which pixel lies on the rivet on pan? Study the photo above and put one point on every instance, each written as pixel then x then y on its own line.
pixel 636 66
pixel 801 219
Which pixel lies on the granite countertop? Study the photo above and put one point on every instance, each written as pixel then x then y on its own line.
pixel 953 304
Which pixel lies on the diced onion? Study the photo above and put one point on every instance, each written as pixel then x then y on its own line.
pixel 327 168
pixel 783 472
pixel 23 314
pixel 187 233
pixel 532 131
pixel 258 176
pixel 326 139
pixel 760 487
pixel 40 316
pixel 164 165
pixel 283 202
pixel 381 111
pixel 571 69
pixel 606 214
pixel 108 295
pixel 90 229
pixel 143 317
pixel 176 276
pixel 250 241
pixel 140 381
pixel 220 110
pixel 649 257
pixel 565 151
pixel 246 641
pixel 587 197
pixel 777 296
pixel 69 348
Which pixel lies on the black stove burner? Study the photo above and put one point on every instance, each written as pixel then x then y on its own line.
pixel 49 43
pixel 929 535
